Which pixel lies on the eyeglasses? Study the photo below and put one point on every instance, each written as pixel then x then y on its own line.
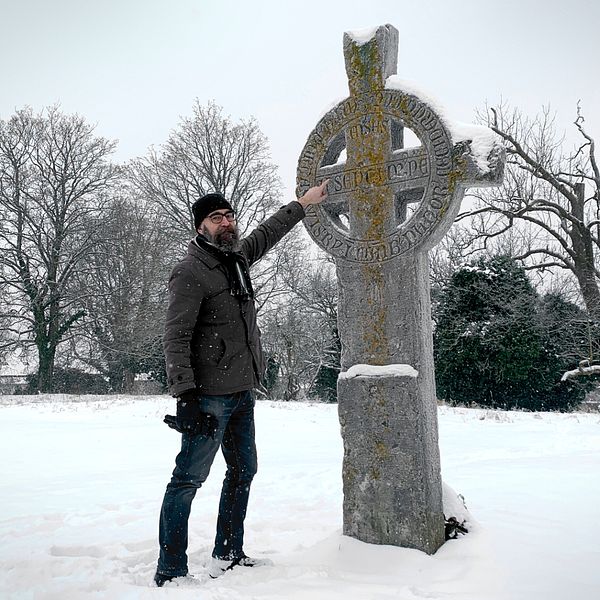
pixel 217 218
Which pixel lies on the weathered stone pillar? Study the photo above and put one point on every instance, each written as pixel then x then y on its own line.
pixel 387 207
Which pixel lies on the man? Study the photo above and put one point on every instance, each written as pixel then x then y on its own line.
pixel 214 360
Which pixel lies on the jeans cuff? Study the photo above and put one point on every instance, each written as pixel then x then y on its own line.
pixel 172 574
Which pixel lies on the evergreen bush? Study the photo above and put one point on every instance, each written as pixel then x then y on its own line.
pixel 498 344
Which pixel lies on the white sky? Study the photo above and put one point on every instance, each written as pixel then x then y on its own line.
pixel 134 66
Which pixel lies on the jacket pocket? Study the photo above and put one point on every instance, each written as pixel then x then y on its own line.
pixel 234 352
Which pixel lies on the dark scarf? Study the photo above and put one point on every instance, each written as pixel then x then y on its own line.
pixel 235 264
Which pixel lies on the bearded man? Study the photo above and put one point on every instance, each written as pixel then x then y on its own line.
pixel 214 361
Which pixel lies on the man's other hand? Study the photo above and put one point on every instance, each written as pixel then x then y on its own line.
pixel 190 419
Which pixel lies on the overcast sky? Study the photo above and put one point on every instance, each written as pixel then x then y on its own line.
pixel 133 67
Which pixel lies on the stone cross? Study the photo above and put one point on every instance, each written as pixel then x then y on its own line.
pixel 387 206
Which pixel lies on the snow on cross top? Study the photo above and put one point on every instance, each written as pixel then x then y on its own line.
pixel 362 36
pixel 482 139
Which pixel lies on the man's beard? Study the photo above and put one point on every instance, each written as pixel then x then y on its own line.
pixel 227 240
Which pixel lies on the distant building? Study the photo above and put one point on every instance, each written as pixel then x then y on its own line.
pixel 591 402
pixel 13 376
pixel 12 384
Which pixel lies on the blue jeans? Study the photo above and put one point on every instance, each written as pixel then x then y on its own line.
pixel 235 436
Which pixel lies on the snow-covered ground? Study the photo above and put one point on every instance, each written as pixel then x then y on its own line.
pixel 82 479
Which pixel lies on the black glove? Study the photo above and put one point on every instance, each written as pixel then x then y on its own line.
pixel 190 419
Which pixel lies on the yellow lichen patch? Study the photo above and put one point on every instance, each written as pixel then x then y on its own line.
pixel 375 337
pixel 365 70
pixel 457 174
pixel 382 451
pixel 370 144
pixel 373 202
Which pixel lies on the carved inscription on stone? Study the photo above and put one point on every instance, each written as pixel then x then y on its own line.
pixel 410 166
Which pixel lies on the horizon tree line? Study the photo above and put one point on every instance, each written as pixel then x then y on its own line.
pixel 87 244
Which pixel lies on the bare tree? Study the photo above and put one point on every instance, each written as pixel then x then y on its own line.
pixel 300 331
pixel 127 272
pixel 549 202
pixel 6 336
pixel 450 254
pixel 208 152
pixel 287 342
pixel 54 177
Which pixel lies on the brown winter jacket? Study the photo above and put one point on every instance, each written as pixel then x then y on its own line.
pixel 212 341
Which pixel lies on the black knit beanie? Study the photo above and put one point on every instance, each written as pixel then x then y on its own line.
pixel 207 204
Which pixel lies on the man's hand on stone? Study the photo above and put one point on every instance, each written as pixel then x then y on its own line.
pixel 315 195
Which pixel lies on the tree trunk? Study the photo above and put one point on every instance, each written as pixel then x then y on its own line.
pixel 589 292
pixel 45 376
pixel 583 247
pixel 115 376
pixel 128 381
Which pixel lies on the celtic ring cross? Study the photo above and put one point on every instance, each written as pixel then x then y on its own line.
pixel 384 199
